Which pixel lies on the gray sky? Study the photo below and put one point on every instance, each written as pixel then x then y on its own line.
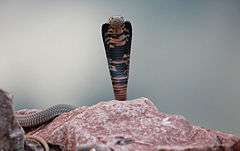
pixel 185 55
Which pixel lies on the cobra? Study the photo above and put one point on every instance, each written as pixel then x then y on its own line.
pixel 117 37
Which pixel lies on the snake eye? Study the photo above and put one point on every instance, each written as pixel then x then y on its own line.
pixel 110 19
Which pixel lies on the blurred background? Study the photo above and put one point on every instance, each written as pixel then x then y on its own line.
pixel 185 55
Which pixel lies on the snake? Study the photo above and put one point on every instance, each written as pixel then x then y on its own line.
pixel 117 37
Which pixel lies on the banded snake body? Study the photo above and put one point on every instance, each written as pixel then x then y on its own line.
pixel 117 38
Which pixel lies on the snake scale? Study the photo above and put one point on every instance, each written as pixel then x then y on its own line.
pixel 117 37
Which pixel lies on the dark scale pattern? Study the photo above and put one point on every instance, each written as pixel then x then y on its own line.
pixel 38 118
pixel 117 37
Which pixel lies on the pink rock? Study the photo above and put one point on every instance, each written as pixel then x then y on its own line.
pixel 134 125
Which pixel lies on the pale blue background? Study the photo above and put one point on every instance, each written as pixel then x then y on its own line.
pixel 185 55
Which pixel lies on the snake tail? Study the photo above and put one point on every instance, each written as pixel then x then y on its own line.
pixel 117 38
pixel 38 118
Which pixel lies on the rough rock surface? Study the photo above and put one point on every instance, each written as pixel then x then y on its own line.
pixel 11 134
pixel 134 125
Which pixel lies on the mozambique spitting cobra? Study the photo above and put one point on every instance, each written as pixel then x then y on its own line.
pixel 117 37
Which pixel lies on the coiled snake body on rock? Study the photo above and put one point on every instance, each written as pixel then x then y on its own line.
pixel 38 118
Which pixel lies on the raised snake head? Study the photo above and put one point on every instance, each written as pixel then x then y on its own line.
pixel 116 21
